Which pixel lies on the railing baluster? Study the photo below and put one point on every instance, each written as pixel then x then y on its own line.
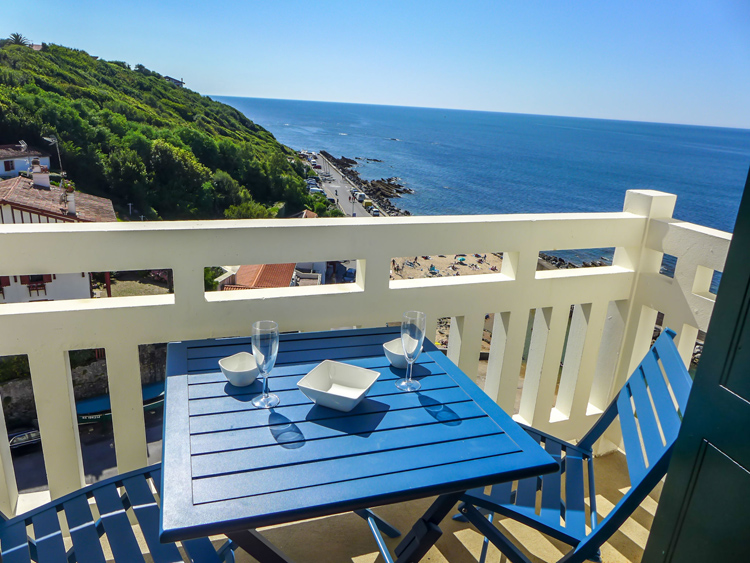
pixel 8 485
pixel 558 323
pixel 587 367
pixel 686 338
pixel 55 409
pixel 500 328
pixel 533 393
pixel 510 369
pixel 465 342
pixel 571 371
pixel 124 377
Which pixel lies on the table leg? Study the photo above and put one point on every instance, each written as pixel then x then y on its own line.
pixel 383 526
pixel 426 531
pixel 258 546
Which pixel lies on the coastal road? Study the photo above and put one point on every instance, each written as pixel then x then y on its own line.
pixel 341 185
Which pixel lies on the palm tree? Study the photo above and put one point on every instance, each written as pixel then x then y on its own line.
pixel 17 39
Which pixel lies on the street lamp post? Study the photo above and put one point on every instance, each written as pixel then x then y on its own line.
pixel 52 140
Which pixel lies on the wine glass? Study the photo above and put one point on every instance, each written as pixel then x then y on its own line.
pixel 265 339
pixel 412 335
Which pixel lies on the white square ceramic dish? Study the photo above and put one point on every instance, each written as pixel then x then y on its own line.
pixel 337 386
pixel 394 351
pixel 240 369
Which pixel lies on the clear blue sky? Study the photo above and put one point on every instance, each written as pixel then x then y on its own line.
pixel 685 61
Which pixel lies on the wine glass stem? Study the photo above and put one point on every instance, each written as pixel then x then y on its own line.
pixel 265 384
pixel 408 371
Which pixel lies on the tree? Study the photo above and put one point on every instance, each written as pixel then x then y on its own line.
pixel 178 180
pixel 127 176
pixel 18 39
pixel 209 278
pixel 249 210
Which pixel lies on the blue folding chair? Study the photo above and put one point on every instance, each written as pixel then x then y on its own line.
pixel 650 407
pixel 112 497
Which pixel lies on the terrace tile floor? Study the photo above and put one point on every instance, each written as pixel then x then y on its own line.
pixel 346 538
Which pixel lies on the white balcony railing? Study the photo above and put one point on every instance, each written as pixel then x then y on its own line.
pixel 614 307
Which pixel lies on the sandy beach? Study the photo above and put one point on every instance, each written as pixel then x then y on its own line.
pixel 441 265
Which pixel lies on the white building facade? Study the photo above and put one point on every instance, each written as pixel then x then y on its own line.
pixel 17 158
pixel 34 200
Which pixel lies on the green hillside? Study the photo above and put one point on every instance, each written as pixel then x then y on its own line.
pixel 129 135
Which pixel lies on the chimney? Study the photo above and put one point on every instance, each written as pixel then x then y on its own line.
pixel 71 202
pixel 39 174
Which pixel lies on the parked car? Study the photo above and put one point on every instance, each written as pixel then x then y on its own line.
pixel 21 437
pixel 316 191
pixel 375 212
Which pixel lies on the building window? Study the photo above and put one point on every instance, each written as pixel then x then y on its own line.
pixel 10 165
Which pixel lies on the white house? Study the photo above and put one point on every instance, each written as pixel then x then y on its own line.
pixel 25 200
pixel 174 81
pixel 17 158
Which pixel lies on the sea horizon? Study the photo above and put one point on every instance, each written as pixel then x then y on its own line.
pixel 220 97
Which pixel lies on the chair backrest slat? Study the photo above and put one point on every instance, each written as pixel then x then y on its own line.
pixel 665 409
pixel 14 542
pixel 629 428
pixel 575 509
pixel 116 525
pixel 49 541
pixel 83 532
pixel 552 486
pixel 678 376
pixel 147 511
pixel 644 411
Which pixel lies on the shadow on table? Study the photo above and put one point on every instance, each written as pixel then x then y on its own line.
pixel 244 394
pixel 362 421
pixel 440 412
pixel 285 432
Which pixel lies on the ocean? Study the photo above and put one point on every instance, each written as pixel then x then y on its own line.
pixel 474 162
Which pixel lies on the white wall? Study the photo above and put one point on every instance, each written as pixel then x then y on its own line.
pixel 64 286
pixel 21 164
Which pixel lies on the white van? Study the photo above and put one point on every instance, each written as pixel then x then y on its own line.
pixel 316 191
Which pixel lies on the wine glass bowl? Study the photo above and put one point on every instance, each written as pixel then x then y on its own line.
pixel 265 341
pixel 413 327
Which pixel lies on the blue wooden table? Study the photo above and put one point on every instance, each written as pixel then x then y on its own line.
pixel 230 468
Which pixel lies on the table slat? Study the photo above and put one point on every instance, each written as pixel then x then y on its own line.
pixel 302 451
pixel 358 467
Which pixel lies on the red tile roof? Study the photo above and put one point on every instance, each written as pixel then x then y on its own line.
pixel 23 192
pixel 14 151
pixel 256 276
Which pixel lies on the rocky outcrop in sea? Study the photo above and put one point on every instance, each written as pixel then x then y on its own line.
pixel 379 191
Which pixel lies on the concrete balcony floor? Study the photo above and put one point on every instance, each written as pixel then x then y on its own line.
pixel 346 538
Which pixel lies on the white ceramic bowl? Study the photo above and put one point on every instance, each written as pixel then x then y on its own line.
pixel 240 369
pixel 394 351
pixel 337 386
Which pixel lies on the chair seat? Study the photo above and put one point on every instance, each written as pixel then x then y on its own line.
pixel 563 519
pixel 113 501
